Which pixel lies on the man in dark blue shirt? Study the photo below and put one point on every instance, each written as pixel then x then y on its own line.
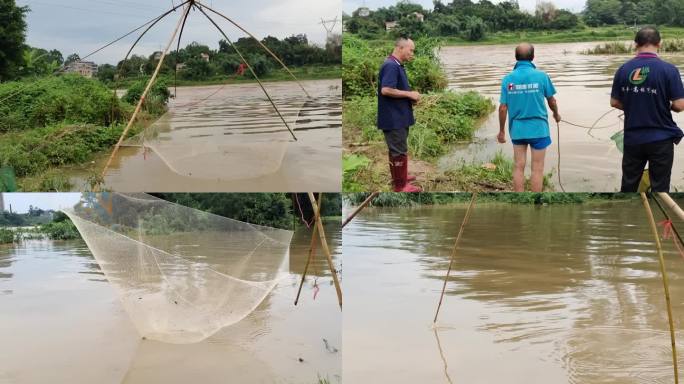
pixel 648 89
pixel 395 112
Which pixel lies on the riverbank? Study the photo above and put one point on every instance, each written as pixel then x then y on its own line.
pixel 525 198
pixel 577 35
pixel 318 72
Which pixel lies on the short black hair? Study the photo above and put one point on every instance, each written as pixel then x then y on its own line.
pixel 524 54
pixel 401 39
pixel 647 36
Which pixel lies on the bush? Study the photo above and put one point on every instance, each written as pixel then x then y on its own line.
pixel 61 230
pixel 46 101
pixel 6 236
pixel 474 29
pixel 34 151
pixel 157 98
pixel 361 64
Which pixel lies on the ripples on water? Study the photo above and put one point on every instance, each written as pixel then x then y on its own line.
pixel 575 286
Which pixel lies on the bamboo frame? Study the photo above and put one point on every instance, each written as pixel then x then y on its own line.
pixel 360 208
pixel 146 91
pixel 326 250
pixel 656 236
pixel 312 248
pixel 453 252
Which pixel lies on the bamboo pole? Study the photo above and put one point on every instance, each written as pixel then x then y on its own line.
pixel 326 250
pixel 654 230
pixel 146 91
pixel 671 204
pixel 360 208
pixel 441 354
pixel 258 42
pixel 312 248
pixel 453 251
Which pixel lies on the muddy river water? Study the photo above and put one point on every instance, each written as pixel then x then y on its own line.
pixel 538 294
pixel 229 138
pixel 62 322
pixel 583 82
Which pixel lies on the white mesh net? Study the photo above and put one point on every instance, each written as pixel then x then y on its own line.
pixel 182 273
pixel 208 132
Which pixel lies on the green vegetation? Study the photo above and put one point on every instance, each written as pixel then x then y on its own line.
pixel 56 121
pixel 443 118
pixel 544 198
pixel 199 64
pixel 622 48
pixel 465 19
pixel 7 236
pixel 279 210
pixel 61 228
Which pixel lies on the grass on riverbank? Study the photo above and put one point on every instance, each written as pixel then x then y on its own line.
pixel 50 122
pixel 623 48
pixel 545 198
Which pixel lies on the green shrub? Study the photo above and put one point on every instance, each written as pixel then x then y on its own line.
pixel 60 230
pixel 6 236
pixel 52 100
pixel 156 99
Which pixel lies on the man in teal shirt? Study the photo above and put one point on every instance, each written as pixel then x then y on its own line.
pixel 523 95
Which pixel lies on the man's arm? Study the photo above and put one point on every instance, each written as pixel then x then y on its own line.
pixel 553 104
pixel 615 103
pixel 503 113
pixel 399 94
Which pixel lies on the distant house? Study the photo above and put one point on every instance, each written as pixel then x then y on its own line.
pixel 204 56
pixel 390 25
pixel 157 55
pixel 84 68
pixel 180 66
pixel 419 16
pixel 364 12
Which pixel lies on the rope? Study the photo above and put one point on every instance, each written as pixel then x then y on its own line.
pixel 560 183
pixel 669 225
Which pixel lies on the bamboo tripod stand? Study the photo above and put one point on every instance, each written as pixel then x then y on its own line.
pixel 187 6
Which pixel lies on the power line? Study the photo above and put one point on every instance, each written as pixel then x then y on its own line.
pixel 88 10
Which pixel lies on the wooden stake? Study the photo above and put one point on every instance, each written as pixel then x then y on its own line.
pixel 312 248
pixel 147 90
pixel 453 251
pixel 654 230
pixel 360 207
pixel 326 250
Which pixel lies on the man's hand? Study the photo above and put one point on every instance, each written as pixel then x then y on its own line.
pixel 501 137
pixel 557 117
pixel 414 96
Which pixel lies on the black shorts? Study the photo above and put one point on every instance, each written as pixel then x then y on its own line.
pixel 397 141
pixel 659 155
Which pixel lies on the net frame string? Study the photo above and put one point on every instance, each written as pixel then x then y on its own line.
pixel 251 70
pixel 312 248
pixel 324 246
pixel 656 236
pixel 453 252
pixel 146 91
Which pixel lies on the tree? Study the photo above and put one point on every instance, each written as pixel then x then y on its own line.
pixel 599 12
pixel 474 29
pixel 74 57
pixel 12 38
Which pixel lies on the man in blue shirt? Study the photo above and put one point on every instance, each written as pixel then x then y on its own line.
pixel 647 89
pixel 523 95
pixel 395 112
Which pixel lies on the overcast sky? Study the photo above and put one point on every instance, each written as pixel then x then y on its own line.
pixel 21 201
pixel 81 26
pixel 350 6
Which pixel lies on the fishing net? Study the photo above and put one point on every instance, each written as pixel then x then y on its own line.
pixel 182 274
pixel 225 133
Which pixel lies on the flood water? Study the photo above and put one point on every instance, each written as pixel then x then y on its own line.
pixel 229 138
pixel 62 322
pixel 538 294
pixel 583 83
